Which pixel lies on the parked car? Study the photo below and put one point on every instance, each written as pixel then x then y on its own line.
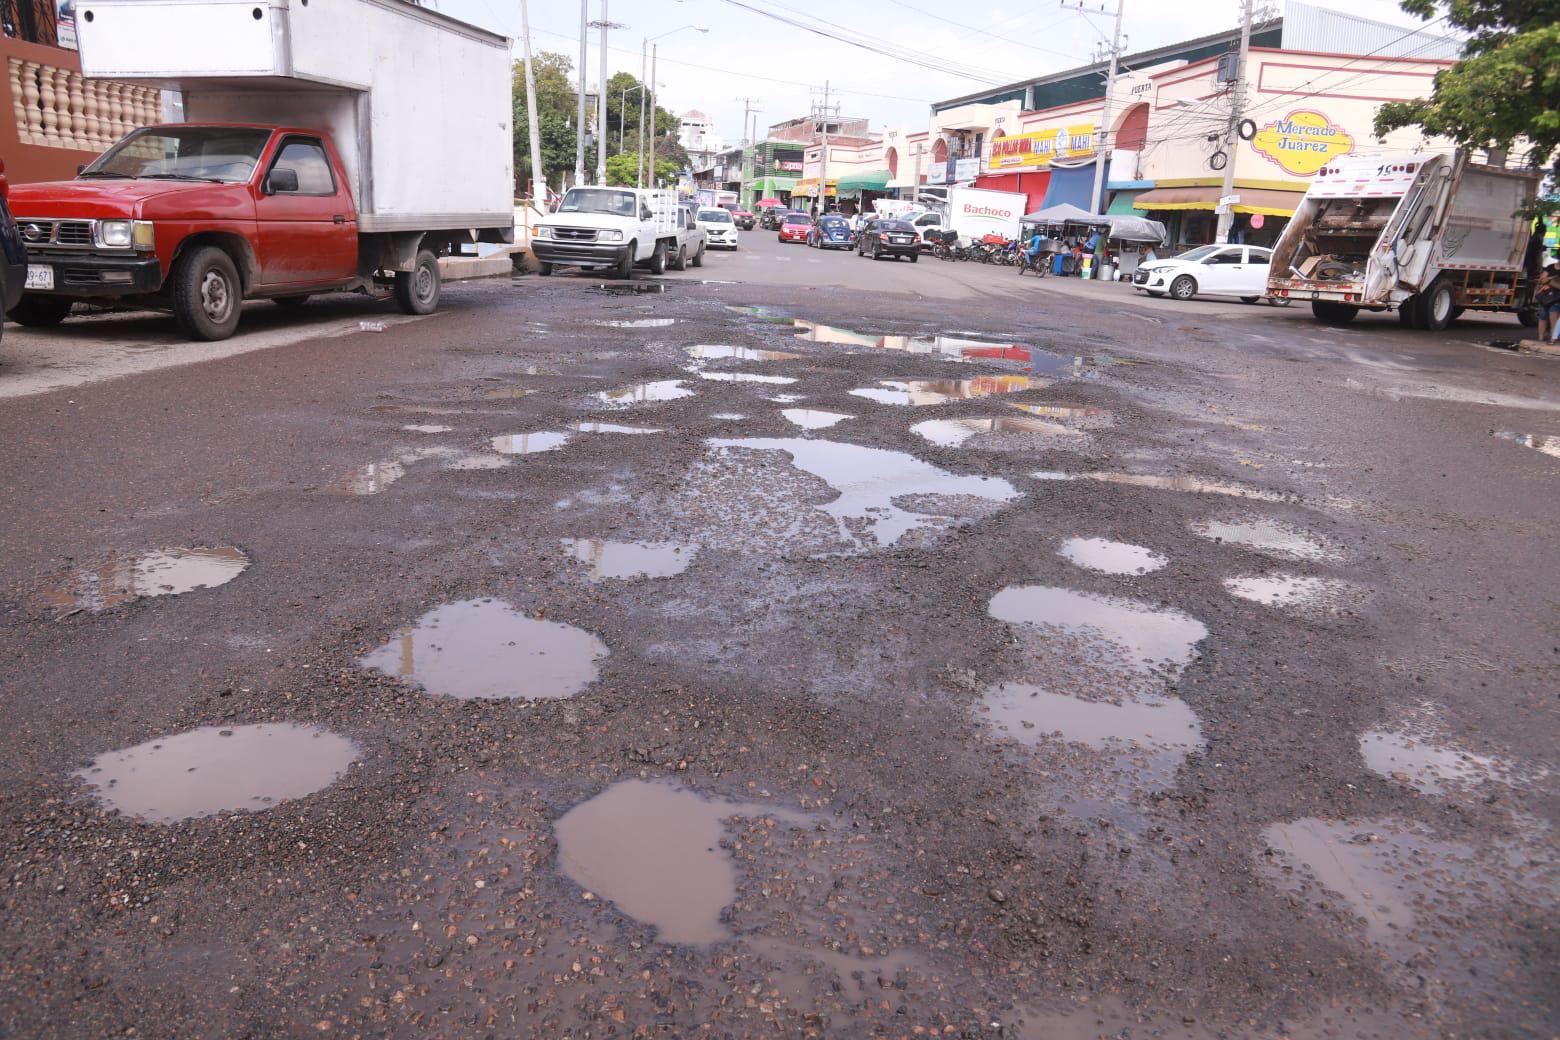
pixel 830 232
pixel 744 220
pixel 890 238
pixel 691 240
pixel 613 228
pixel 720 226
pixel 1215 270
pixel 794 227
pixel 13 254
pixel 771 217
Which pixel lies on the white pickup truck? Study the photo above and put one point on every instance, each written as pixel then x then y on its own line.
pixel 615 228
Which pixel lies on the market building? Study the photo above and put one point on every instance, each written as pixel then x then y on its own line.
pixel 1314 80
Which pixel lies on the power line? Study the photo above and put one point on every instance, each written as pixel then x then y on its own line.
pixel 987 29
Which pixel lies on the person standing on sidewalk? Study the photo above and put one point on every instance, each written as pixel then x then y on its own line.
pixel 1548 300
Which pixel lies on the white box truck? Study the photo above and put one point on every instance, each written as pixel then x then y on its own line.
pixel 1427 234
pixel 329 145
pixel 974 213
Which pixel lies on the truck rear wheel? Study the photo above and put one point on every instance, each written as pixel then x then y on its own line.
pixel 698 258
pixel 1330 313
pixel 680 261
pixel 207 294
pixel 1435 306
pixel 39 311
pixel 658 259
pixel 417 291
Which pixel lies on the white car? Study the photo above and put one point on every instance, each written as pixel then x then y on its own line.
pixel 1208 271
pixel 717 224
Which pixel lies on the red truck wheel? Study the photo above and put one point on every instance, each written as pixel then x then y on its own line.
pixel 207 294
pixel 417 292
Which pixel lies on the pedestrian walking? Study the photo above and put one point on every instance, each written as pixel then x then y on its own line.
pixel 1548 300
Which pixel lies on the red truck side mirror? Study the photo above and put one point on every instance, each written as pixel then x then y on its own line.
pixel 5 183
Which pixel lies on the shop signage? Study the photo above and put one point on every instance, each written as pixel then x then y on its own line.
pixel 1028 151
pixel 787 164
pixel 1302 142
pixel 966 169
pixel 937 173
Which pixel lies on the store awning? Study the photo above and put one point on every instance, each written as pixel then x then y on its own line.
pixel 1123 203
pixel 1267 201
pixel 769 185
pixel 809 186
pixel 867 180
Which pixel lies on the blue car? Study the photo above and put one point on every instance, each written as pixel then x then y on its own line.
pixel 13 254
pixel 830 232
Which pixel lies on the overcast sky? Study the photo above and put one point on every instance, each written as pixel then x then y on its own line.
pixel 783 67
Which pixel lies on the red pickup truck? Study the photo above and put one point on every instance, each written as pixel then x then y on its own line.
pixel 196 218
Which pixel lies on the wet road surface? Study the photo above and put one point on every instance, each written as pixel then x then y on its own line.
pixel 578 664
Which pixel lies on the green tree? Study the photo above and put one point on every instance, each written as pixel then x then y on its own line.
pixel 555 112
pixel 623 169
pixel 1507 85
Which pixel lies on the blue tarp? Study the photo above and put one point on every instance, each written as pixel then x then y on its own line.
pixel 1070 186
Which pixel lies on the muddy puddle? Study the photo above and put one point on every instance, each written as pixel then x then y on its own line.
pixel 710 351
pixel 486 649
pixel 374 477
pixel 1060 411
pixel 645 393
pixel 426 428
pixel 607 559
pixel 1548 445
pixel 1458 394
pixel 728 416
pixel 606 427
pixel 1429 766
pixel 813 418
pixel 1147 638
pixel 919 392
pixel 638 323
pixel 1157 732
pixel 628 288
pixel 1290 590
pixel 1147 480
pixel 953 346
pixel 1109 557
pixel 785 398
pixel 952 433
pixel 1271 537
pixel 163 572
pixel 215 769
pixel 529 443
pixel 746 377
pixel 870 481
pixel 653 850
pixel 506 393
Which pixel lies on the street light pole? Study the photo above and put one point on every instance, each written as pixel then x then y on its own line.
pixel 601 103
pixel 579 117
pixel 1097 197
pixel 537 177
pixel 639 150
pixel 654 100
pixel 1232 132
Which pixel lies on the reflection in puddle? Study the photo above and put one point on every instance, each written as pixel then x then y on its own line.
pixel 488 649
pixel 218 769
pixel 506 393
pixel 426 428
pixel 654 851
pixel 1548 445
pixel 746 377
pixel 1266 536
pixel 374 477
pixel 1060 411
pixel 606 427
pixel 627 288
pixel 812 418
pixel 1108 557
pixel 645 393
pixel 1287 590
pixel 639 323
pixel 940 391
pixel 1430 767
pixel 630 559
pixel 955 347
pixel 163 572
pixel 1148 480
pixel 869 480
pixel 708 351
pixel 728 416
pixel 1164 726
pixel 1148 637
pixel 529 443
pixel 950 433
pixel 785 398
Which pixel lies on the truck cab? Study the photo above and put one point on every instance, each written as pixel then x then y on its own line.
pixel 608 227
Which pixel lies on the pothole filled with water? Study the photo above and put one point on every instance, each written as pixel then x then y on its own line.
pixel 529 443
pixel 710 351
pixel 1290 590
pixel 506 393
pixel 486 649
pixel 1109 557
pixel 374 477
pixel 785 398
pixel 813 418
pixel 426 428
pixel 215 769
pixel 638 323
pixel 1267 536
pixel 1061 411
pixel 628 288
pixel 918 392
pixel 607 559
pixel 606 427
pixel 1428 766
pixel 1538 442
pixel 1148 480
pixel 728 416
pixel 654 851
pixel 645 393
pixel 746 377
pixel 162 572
pixel 1147 638
pixel 870 481
pixel 951 433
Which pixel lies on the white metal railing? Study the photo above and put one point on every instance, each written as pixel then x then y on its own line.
pixel 59 108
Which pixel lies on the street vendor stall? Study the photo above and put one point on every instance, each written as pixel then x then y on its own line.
pixel 1122 237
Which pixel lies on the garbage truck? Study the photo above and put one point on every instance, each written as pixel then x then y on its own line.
pixel 327 146
pixel 1427 234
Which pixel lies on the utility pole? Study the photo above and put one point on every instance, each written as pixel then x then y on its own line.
pixel 639 150
pixel 747 144
pixel 1101 153
pixel 601 97
pixel 579 118
pixel 655 100
pixel 537 176
pixel 823 156
pixel 1232 132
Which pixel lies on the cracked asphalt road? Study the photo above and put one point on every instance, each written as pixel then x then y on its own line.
pixel 956 782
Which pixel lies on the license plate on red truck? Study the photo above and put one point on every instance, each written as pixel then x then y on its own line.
pixel 39 276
